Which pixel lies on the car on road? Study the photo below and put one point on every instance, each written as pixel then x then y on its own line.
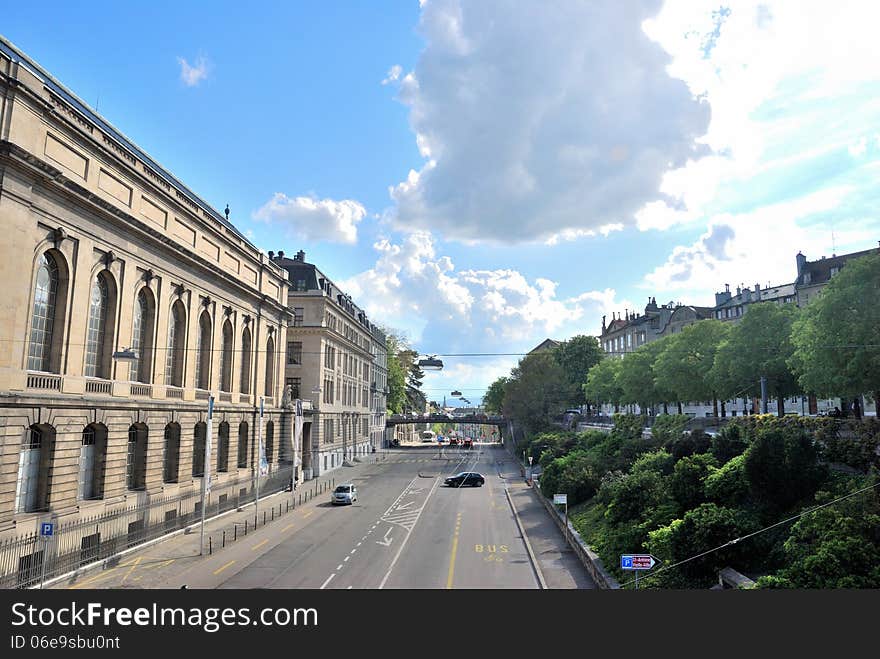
pixel 467 443
pixel 453 441
pixel 463 478
pixel 344 493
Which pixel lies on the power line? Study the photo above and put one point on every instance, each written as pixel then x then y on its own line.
pixel 749 535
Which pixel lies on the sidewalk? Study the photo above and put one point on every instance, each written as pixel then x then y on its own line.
pixel 165 562
pixel 559 564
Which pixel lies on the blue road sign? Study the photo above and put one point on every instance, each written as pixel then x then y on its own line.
pixel 637 561
pixel 46 528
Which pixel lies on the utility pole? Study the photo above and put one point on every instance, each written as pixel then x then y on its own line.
pixel 763 395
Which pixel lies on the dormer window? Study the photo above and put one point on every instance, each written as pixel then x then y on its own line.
pixel 834 270
pixel 807 277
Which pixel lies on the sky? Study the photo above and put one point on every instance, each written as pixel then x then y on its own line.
pixel 481 175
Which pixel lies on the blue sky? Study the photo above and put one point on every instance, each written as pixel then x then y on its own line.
pixel 482 174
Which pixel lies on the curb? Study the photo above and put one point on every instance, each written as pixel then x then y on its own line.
pixel 537 568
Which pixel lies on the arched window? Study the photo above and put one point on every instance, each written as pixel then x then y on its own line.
pixel 270 442
pixel 142 337
pixel 198 456
pixel 43 318
pixel 99 335
pixel 223 447
pixel 242 444
pixel 226 358
pixel 270 367
pixel 34 481
pixel 246 361
pixel 176 345
pixel 203 352
pixel 136 462
pixel 171 458
pixel 92 458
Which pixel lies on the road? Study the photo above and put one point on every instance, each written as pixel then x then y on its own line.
pixel 406 530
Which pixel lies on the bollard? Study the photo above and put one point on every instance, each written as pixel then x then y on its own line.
pixel 210 546
pixel 245 527
pixel 264 517
pixel 234 532
pixel 273 514
pixel 224 537
pixel 300 498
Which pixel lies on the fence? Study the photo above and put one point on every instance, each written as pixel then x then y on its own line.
pixel 29 560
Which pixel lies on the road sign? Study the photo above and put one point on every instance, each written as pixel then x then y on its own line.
pixel 560 498
pixel 47 528
pixel 637 562
pixel 530 459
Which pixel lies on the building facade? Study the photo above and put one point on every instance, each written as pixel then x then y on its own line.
pixel 813 276
pixel 330 360
pixel 105 250
pixel 378 388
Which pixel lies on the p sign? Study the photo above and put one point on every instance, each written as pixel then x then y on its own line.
pixel 560 498
pixel 47 529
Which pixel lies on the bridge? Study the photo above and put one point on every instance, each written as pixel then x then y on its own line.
pixel 481 419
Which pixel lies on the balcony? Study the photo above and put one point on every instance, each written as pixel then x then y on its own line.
pixel 43 381
pixel 174 392
pixel 98 386
pixel 141 390
pixel 202 394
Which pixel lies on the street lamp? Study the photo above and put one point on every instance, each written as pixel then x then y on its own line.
pixel 125 355
pixel 431 363
pixel 456 393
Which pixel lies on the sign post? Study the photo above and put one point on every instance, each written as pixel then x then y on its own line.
pixel 637 562
pixel 563 499
pixel 206 473
pixel 262 464
pixel 47 530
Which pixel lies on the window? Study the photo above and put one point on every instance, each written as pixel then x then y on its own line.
pixel 300 285
pixel 297 316
pixel 834 270
pixel 226 358
pixel 176 345
pixel 223 447
pixel 242 444
pixel 198 457
pixel 294 352
pixel 136 463
pixel 142 337
pixel 270 367
pixel 43 316
pixel 295 384
pixel 171 457
pixel 92 458
pixel 246 361
pixel 328 431
pixel 96 362
pixel 35 469
pixel 270 442
pixel 203 352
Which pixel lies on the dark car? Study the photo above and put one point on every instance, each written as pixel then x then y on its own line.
pixel 465 478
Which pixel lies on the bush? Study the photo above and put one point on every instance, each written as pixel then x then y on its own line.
pixel 669 427
pixel 692 443
pixel 574 475
pixel 728 486
pixel 633 497
pixel 659 461
pixel 729 443
pixel 686 484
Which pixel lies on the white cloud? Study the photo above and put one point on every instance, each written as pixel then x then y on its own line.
pixel 541 125
pixel 192 75
pixel 393 74
pixel 310 218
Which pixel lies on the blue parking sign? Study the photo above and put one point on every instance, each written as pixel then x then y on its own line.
pixel 46 528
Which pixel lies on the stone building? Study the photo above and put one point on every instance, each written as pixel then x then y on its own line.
pixel 730 307
pixel 103 249
pixel 813 276
pixel 330 360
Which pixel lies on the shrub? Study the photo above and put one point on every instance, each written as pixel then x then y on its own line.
pixel 692 443
pixel 686 484
pixel 659 461
pixel 729 443
pixel 728 486
pixel 669 427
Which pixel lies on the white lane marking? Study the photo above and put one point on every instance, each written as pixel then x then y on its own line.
pixel 386 540
pixel 339 567
pixel 328 581
pixel 408 533
pixel 353 551
pixel 405 505
pixel 345 560
pixel 360 543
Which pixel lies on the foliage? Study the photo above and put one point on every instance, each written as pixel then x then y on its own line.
pixel 758 345
pixel 576 357
pixel 660 462
pixel 690 443
pixel 727 486
pixel 686 484
pixel 493 400
pixel 684 365
pixel 632 497
pixel 573 474
pixel 601 385
pixel 636 378
pixel 537 391
pixel 835 339
pixel 728 443
pixel 669 427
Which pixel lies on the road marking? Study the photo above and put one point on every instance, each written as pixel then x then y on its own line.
pixel 345 560
pixel 405 505
pixel 409 531
pixel 360 543
pixel 339 567
pixel 224 567
pixel 328 581
pixel 353 551
pixel 257 546
pixel 133 567
pixel 306 514
pixel 289 526
pixel 449 577
pixel 97 577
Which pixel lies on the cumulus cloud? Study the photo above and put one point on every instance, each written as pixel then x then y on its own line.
pixel 539 122
pixel 393 74
pixel 192 74
pixel 310 218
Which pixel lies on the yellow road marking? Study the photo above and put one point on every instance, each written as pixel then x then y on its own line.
pixel 306 514
pixel 452 555
pixel 260 544
pixel 91 580
pixel 224 567
pixel 289 526
pixel 133 568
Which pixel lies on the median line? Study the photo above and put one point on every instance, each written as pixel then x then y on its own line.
pixel 218 571
pixel 259 544
pixel 449 577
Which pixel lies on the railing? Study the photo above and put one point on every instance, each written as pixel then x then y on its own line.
pixel 201 394
pixel 42 381
pixel 98 386
pixel 173 392
pixel 141 389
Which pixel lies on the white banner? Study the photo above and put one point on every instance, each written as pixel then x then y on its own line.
pixel 264 464
pixel 297 431
pixel 208 433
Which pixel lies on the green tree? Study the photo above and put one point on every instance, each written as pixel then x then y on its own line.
pixel 636 378
pixel 687 482
pixel 758 345
pixel 493 401
pixel 576 357
pixel 602 385
pixel 537 391
pixel 683 366
pixel 835 340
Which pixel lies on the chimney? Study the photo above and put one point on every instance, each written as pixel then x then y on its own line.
pixel 280 254
pixel 300 256
pixel 271 255
pixel 603 324
pixel 801 261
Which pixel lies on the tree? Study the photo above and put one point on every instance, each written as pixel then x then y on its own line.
pixel 683 365
pixel 576 357
pixel 537 390
pixel 835 339
pixel 758 346
pixel 602 384
pixel 493 401
pixel 636 377
pixel 402 371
